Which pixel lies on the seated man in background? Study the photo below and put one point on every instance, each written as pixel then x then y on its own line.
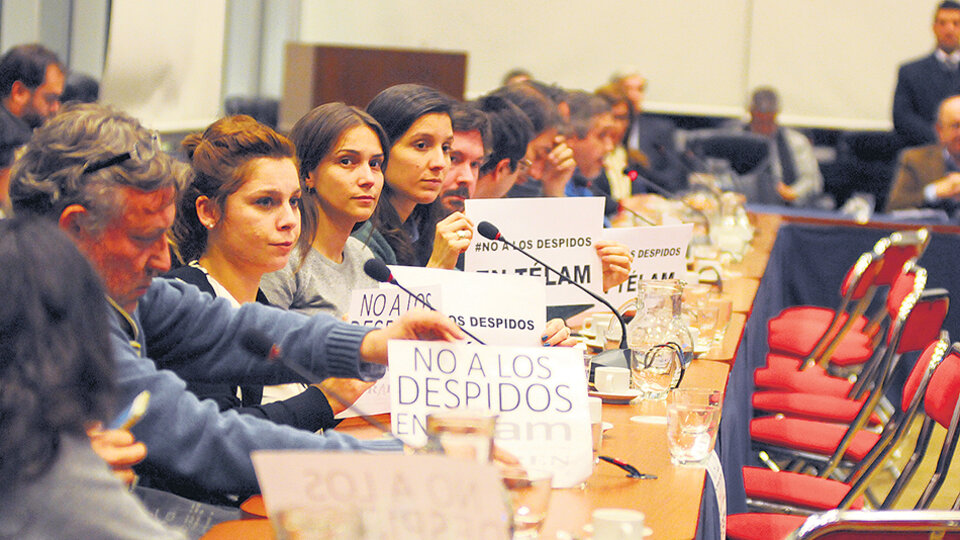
pixel 510 133
pixel 929 176
pixel 794 169
pixel 590 138
pixel 103 179
pixel 549 161
pixel 31 81
pixel 652 136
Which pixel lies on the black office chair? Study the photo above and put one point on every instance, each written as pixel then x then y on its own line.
pixel 748 156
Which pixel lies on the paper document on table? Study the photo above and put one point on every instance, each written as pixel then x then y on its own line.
pixel 540 395
pixel 559 231
pixel 382 495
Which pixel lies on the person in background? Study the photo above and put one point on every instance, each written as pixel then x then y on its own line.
pixel 592 129
pixel 548 162
pixel 416 120
pixel 614 180
pixel 342 154
pixel 80 87
pixel 237 220
pixel 654 137
pixel 516 75
pixel 923 83
pixel 101 177
pixel 929 176
pixel 796 173
pixel 57 380
pixel 510 131
pixel 31 82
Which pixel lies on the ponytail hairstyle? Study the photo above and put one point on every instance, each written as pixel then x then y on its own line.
pixel 220 157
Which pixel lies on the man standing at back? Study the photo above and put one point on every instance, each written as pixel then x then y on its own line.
pixel 31 81
pixel 924 83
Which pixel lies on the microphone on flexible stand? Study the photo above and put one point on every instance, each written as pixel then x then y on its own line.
pixel 633 173
pixel 491 232
pixel 584 182
pixel 259 344
pixel 378 270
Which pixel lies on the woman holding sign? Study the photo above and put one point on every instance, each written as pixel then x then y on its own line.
pixel 238 219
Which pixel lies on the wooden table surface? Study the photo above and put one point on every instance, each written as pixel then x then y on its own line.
pixel 672 501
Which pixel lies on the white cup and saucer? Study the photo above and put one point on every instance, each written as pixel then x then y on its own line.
pixel 617 524
pixel 613 385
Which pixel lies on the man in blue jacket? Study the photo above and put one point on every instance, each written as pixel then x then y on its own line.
pixel 103 178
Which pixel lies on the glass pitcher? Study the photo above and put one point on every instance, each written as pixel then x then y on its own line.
pixel 658 338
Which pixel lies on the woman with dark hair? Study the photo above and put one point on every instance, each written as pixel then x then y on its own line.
pixel 56 382
pixel 416 120
pixel 342 153
pixel 237 220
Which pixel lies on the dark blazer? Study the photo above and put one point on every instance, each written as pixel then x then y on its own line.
pixel 921 86
pixel 656 141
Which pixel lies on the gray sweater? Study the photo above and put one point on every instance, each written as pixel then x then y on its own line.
pixel 78 497
pixel 321 285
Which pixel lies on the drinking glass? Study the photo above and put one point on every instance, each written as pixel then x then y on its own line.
pixel 465 434
pixel 693 415
pixel 658 370
pixel 529 492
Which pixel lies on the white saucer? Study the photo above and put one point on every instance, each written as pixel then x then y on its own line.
pixel 617 398
pixel 606 425
pixel 588 529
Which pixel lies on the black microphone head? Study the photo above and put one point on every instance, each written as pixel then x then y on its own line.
pixel 488 230
pixel 376 269
pixel 256 342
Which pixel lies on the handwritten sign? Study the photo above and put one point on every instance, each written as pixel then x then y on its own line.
pixel 381 306
pixel 499 309
pixel 658 253
pixel 393 496
pixel 559 231
pixel 539 393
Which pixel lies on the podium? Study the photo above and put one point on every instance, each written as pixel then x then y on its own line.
pixel 317 74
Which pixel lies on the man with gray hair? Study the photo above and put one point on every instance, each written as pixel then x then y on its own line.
pixel 793 166
pixel 105 181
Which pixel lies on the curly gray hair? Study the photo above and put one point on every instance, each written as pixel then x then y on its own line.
pixel 50 174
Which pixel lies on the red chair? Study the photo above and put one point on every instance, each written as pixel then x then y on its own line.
pixel 785 373
pixel 917 330
pixel 937 381
pixel 823 445
pixel 805 331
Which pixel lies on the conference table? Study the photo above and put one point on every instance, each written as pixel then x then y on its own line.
pixel 672 502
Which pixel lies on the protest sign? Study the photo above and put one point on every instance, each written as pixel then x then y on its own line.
pixel 658 253
pixel 383 495
pixel 540 395
pixel 559 231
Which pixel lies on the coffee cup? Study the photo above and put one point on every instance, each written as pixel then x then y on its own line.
pixel 617 524
pixel 611 379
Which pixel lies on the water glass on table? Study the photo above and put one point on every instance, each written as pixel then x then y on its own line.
pixel 465 434
pixel 693 415
pixel 529 492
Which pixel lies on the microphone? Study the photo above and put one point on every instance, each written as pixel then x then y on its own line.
pixel 633 173
pixel 259 344
pixel 378 270
pixel 490 232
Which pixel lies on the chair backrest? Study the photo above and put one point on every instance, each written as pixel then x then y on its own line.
pixel 873 524
pixel 862 276
pixel 902 246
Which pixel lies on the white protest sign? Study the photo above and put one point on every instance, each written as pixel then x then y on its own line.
pixel 379 307
pixel 396 496
pixel 658 253
pixel 499 309
pixel 540 395
pixel 557 230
